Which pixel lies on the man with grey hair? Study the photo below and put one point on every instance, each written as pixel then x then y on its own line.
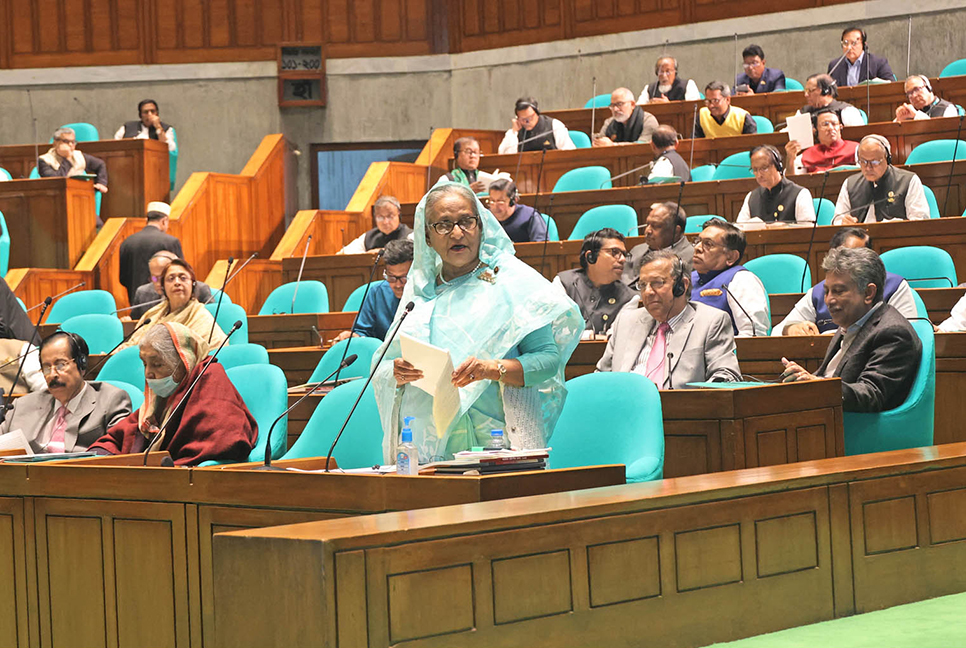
pixel 63 160
pixel 880 191
pixel 628 123
pixel 875 350
pixel 668 86
pixel 385 211
pixel 719 118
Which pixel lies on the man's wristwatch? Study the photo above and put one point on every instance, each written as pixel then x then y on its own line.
pixel 502 368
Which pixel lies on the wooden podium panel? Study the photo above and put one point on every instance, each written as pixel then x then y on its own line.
pixel 13 573
pixel 285 331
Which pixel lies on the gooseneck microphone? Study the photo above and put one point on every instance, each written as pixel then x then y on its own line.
pixel 648 166
pixel 862 209
pixel 372 372
pixel 754 333
pixel 811 239
pixel 157 436
pixel 90 371
pixel 268 442
pixel 593 111
pixel 521 151
pixel 670 357
pixel 58 296
pixel 352 329
pixel 8 402
pixel 224 285
pixel 298 279
pixel 241 267
pixel 952 164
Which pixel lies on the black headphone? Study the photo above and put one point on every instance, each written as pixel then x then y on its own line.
pixel 591 255
pixel 512 193
pixel 776 157
pixel 678 288
pixel 826 87
pixel 78 348
pixel 883 142
pixel 524 103
pixel 925 81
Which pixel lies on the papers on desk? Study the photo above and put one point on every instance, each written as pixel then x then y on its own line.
pixel 486 178
pixel 437 381
pixel 15 441
pixel 800 129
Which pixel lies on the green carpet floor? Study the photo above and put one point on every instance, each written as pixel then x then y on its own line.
pixel 938 622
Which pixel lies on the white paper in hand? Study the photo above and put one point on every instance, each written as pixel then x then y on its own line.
pixel 800 129
pixel 437 381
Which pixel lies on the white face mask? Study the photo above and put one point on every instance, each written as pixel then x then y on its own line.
pixel 163 387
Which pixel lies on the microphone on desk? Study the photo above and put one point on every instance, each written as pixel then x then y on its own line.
pixel 862 209
pixel 158 435
pixel 649 166
pixel 372 372
pixel 546 236
pixel 298 279
pixel 593 112
pixel 754 333
pixel 90 371
pixel 694 130
pixel 321 339
pixel 521 151
pixel 240 268
pixel 57 296
pixel 8 403
pixel 267 465
pixel 365 293
pixel 224 284
pixel 670 357
pixel 153 302
pixel 952 164
pixel 811 239
pixel 837 63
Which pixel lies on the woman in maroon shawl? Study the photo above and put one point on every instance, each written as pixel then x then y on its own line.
pixel 213 423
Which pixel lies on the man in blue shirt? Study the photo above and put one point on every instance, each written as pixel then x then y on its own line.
pixel 857 63
pixel 756 76
pixel 379 308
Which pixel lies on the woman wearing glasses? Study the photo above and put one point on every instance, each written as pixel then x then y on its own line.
pixel 508 335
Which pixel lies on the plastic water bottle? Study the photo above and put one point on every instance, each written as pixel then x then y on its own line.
pixel 497 441
pixel 407 457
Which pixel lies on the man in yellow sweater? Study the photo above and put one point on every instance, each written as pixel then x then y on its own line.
pixel 719 118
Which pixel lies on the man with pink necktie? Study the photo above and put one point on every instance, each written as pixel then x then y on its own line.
pixel 670 340
pixel 71 413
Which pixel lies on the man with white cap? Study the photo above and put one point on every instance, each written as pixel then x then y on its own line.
pixel 137 249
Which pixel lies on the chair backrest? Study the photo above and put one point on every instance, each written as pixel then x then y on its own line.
pixel 364 347
pixel 101 332
pixel 265 391
pixel 940 150
pixel 84 302
pixel 354 301
pixel 600 101
pixel 5 175
pixel 312 297
pixel 4 246
pixel 215 292
pixel 764 124
pixel 931 201
pixel 781 273
pixel 239 355
pixel 792 84
pixel 737 165
pixel 956 68
pixel 703 173
pixel 625 409
pixel 580 139
pixel 865 117
pixel 136 395
pixel 83 131
pixel 921 310
pixel 622 218
pixel 923 266
pixel 589 178
pixel 34 174
pixel 910 425
pixel 696 223
pixel 124 366
pixel 552 234
pixel 227 316
pixel 824 210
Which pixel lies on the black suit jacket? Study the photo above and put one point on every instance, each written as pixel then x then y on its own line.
pixel 872 67
pixel 880 366
pixel 137 250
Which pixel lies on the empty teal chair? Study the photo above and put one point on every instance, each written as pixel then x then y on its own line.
pixel 792 84
pixel 361 443
pixel 239 355
pixel 923 266
pixel 865 116
pixel 734 166
pixel 136 395
pixel 4 246
pixel 911 424
pixel 696 223
pixel 956 68
pixel 703 173
pixel 940 150
pixel 34 174
pixel 764 124
pixel 600 101
pixel 5 175
pixel 622 218
pixel 124 366
pixel 215 292
pixel 931 200
pixel 265 391
pixel 355 297
pixel 311 297
pixel 589 178
pixel 83 132
pixel 364 347
pixel 824 210
pixel 625 410
pixel 84 302
pixel 101 332
pixel 173 160
pixel 552 234
pixel 227 316
pixel 580 139
pixel 781 273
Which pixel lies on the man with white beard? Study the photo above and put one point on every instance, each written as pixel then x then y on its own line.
pixel 628 123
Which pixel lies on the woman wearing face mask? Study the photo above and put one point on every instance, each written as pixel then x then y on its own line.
pixel 213 423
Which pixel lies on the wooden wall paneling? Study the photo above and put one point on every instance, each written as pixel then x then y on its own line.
pixel 102 258
pixel 251 287
pixel 50 221
pixel 33 285
pixel 13 574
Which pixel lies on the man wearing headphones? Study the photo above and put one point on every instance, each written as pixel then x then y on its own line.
pixel 628 123
pixel 821 93
pixel 829 152
pixel 72 413
pixel 857 63
pixel 668 86
pixel 671 340
pixel 923 103
pixel 777 198
pixel 532 131
pixel 880 192
pixel 521 223
pixel 719 118
pixel 596 285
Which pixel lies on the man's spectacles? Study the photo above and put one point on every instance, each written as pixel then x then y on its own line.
pixel 386 217
pixel 60 367
pixel 829 125
pixel 752 66
pixel 707 244
pixel 655 285
pixel 869 163
pixel 498 201
pixel 618 104
pixel 759 170
pixel 469 153
pixel 68 142
pixel 714 102
pixel 850 43
pixel 466 224
pixel 916 90
pixel 391 278
pixel 615 252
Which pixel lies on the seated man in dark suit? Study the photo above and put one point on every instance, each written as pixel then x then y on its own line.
pixel 857 64
pixel 756 76
pixel 671 340
pixel 139 247
pixel 875 351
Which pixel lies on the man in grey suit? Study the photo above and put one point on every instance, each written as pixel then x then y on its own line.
pixel 670 340
pixel 875 351
pixel 71 413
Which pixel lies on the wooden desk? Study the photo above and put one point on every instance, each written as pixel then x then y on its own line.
pixel 284 331
pixel 137 172
pixel 51 221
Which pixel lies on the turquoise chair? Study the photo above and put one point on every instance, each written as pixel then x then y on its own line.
pixel 85 302
pixel 214 297
pixel 173 160
pixel 703 173
pixel 123 366
pixel 824 210
pixel 923 266
pixel 4 246
pixel 5 175
pixel 920 306
pixel 792 84
pixel 34 174
pixel 580 139
pixel 940 150
pixel 227 316
pixel 781 273
pixel 136 395
pixel 361 443
pixel 696 223
pixel 764 124
pixel 101 332
pixel 83 132
pixel 956 68
pixel 589 178
pixel 239 355
pixel 312 297
pixel 865 116
pixel 600 101
pixel 264 389
pixel 364 347
pixel 355 297
pixel 625 410
pixel 734 166
pixel 552 234
pixel 911 424
pixel 622 218
pixel 931 199
pixel 22 305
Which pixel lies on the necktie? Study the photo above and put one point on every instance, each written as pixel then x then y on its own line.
pixel 56 443
pixel 655 360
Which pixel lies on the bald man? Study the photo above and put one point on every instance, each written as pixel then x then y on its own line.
pixel 628 123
